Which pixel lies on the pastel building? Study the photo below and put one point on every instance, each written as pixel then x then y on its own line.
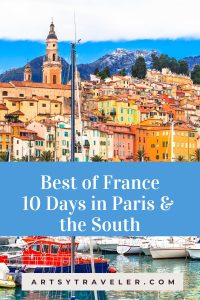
pixel 158 142
pixel 118 110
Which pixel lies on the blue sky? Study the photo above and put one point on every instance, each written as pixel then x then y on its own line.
pixel 89 51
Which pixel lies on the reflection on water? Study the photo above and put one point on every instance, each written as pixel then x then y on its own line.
pixel 190 269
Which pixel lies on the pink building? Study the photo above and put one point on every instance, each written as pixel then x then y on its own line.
pixel 123 141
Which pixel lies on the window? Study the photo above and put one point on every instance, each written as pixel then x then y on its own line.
pixel 65 248
pixel 64 151
pixel 54 79
pixel 31 104
pixel 54 249
pixel 7 138
pixel 37 153
pixel 36 247
pixel 66 134
pixel 0 147
pixel 157 157
pixel 54 57
pixel 44 105
pixel 0 138
pixel 46 96
pixel 13 104
pixel 4 93
pixel 165 144
pixel 17 152
pixel 45 248
pixel 21 95
pixel 56 105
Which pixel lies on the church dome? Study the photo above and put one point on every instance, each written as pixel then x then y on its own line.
pixel 52 34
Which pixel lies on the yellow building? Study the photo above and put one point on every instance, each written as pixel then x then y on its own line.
pixel 35 108
pixel 159 142
pixel 121 111
pixel 5 140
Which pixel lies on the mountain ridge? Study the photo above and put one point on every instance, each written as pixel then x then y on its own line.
pixel 116 60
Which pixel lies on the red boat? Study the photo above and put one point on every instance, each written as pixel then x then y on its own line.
pixel 50 255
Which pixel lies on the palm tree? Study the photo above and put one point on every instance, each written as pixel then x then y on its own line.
pixel 26 159
pixel 46 156
pixel 180 158
pixel 196 155
pixel 4 156
pixel 140 155
pixel 96 158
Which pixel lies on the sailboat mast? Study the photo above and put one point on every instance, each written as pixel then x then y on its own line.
pixel 73 64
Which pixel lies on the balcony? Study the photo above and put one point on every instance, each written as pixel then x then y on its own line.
pixel 113 113
pixel 86 144
pixel 50 138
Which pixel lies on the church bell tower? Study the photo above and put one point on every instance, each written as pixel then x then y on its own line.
pixel 27 73
pixel 52 67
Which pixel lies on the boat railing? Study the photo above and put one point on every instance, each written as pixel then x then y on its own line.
pixel 44 259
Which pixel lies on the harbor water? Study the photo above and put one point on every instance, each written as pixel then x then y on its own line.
pixel 137 264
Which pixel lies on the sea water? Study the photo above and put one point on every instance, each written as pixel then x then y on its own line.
pixel 138 264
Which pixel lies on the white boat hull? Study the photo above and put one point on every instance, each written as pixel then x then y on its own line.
pixel 128 250
pixel 112 248
pixel 158 253
pixel 146 251
pixel 194 253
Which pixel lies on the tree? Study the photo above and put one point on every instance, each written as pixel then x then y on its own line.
pixel 96 71
pixel 140 155
pixel 4 156
pixel 196 74
pixel 122 72
pixel 105 73
pixel 196 156
pixel 139 69
pixel 26 159
pixel 46 156
pixel 96 158
pixel 183 67
pixel 155 64
pixel 164 61
pixel 173 65
pixel 180 158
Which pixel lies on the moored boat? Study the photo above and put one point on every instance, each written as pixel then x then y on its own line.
pixel 168 252
pixel 108 245
pixel 173 248
pixel 129 249
pixel 194 251
pixel 48 255
pixel 6 280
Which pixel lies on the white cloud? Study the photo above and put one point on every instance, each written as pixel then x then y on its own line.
pixel 99 20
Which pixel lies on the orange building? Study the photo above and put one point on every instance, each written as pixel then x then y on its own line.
pixel 158 143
